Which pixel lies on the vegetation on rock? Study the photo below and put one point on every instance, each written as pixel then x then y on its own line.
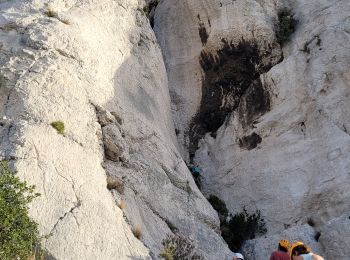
pixel 59 126
pixel 235 229
pixel 18 233
pixel 220 206
pixel 178 247
pixel 286 25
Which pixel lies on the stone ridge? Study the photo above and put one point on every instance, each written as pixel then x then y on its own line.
pixel 96 66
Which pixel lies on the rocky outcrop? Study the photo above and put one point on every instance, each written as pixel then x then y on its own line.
pixel 57 60
pixel 272 133
pixel 267 124
pixel 334 238
pixel 96 66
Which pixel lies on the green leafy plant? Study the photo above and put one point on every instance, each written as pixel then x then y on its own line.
pixel 285 26
pixel 241 227
pixel 18 233
pixel 219 206
pixel 235 229
pixel 178 247
pixel 59 126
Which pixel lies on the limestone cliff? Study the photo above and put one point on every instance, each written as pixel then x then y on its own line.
pixel 96 66
pixel 210 84
pixel 267 123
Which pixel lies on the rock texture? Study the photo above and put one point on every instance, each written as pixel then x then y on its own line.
pixel 281 146
pixel 96 66
pixel 57 60
pixel 335 238
pixel 268 125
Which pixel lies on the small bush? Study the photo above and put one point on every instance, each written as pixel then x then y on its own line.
pixel 178 247
pixel 241 227
pixel 286 25
pixel 219 206
pixel 18 233
pixel 115 183
pixel 59 126
pixel 238 228
pixel 137 231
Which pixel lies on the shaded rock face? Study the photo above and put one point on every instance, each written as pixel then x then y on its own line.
pixel 214 61
pixel 229 74
pixel 271 134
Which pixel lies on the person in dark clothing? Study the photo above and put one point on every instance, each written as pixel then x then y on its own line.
pixel 282 252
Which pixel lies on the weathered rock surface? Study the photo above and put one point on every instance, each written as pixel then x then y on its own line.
pixel 96 66
pixel 268 133
pixel 281 146
pixel 56 61
pixel 335 238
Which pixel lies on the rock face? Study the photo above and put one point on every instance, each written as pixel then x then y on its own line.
pixel 335 236
pixel 58 60
pixel 270 122
pixel 268 125
pixel 96 66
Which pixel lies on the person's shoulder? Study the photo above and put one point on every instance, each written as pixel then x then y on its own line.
pixel 317 257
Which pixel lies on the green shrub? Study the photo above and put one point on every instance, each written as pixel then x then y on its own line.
pixel 178 247
pixel 286 25
pixel 18 233
pixel 238 228
pixel 59 126
pixel 241 227
pixel 219 206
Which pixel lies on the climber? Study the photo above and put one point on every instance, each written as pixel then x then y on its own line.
pixel 299 251
pixel 196 173
pixel 282 252
pixel 238 256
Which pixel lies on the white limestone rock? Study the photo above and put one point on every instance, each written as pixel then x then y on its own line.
pixel 292 160
pixel 97 67
pixel 335 238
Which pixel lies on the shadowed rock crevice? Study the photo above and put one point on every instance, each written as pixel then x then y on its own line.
pixel 231 81
pixel 203 34
pixel 250 141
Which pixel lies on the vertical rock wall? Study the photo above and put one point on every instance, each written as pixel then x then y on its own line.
pixel 281 146
pixel 96 66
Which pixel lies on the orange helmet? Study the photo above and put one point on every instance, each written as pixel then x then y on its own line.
pixel 295 244
pixel 284 243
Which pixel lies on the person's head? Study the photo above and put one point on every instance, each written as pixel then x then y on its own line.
pixel 283 245
pixel 299 248
pixel 239 256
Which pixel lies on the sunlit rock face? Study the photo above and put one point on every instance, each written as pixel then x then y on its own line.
pixel 97 67
pixel 268 124
pixel 209 84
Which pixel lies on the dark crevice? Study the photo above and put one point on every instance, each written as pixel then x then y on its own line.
pixel 231 82
pixel 203 34
pixel 150 10
pixel 250 142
